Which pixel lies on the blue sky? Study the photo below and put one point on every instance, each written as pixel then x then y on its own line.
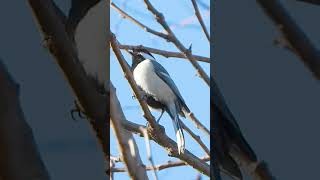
pixel 193 89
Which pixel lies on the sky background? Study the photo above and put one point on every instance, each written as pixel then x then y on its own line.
pixel 274 98
pixel 193 89
pixel 69 148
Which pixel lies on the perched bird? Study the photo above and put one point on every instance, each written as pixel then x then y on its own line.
pixel 160 91
pixel 87 26
pixel 228 139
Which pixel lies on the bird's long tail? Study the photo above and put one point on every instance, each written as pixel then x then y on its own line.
pixel 172 110
pixel 179 134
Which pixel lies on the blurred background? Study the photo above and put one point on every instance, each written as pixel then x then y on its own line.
pixel 180 17
pixel 274 98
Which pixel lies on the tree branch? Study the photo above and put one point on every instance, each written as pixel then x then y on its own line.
pixel 127 145
pixel 159 167
pixel 294 35
pixel 172 38
pixel 314 2
pixel 19 156
pixel 164 53
pixel 144 27
pixel 148 149
pixel 155 131
pixel 196 138
pixel 187 54
pixel 94 104
pixel 197 13
pixel 198 124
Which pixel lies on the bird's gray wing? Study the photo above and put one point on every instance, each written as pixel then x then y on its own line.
pixel 164 75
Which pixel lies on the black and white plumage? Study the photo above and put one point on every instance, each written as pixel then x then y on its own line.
pixel 161 92
pixel 87 25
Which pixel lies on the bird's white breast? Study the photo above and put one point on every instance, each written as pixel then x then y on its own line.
pixel 91 42
pixel 149 81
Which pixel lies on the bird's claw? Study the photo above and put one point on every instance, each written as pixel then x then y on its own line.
pixel 77 109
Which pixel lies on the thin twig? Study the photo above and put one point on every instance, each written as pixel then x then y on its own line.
pixel 164 52
pixel 126 143
pixel 148 148
pixel 314 2
pixel 198 124
pixel 159 167
pixel 294 35
pixel 197 13
pixel 144 27
pixel 185 52
pixel 196 138
pixel 169 37
pixel 136 128
pixel 172 38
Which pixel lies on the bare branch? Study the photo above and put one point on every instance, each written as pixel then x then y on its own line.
pixel 186 53
pixel 159 167
pixel 133 127
pixel 94 104
pixel 126 142
pixel 146 28
pixel 155 131
pixel 149 155
pixel 196 138
pixel 172 38
pixel 136 128
pixel 294 35
pixel 19 156
pixel 314 2
pixel 197 13
pixel 164 53
pixel 198 124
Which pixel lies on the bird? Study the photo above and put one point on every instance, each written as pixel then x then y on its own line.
pixel 160 91
pixel 87 26
pixel 228 137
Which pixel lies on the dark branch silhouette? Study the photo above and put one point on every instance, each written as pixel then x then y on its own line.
pixel 315 2
pixel 19 156
pixel 293 34
pixel 94 104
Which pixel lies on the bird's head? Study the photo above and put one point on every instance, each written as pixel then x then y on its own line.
pixel 139 55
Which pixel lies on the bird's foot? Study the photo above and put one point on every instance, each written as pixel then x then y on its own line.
pixel 158 120
pixel 79 112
